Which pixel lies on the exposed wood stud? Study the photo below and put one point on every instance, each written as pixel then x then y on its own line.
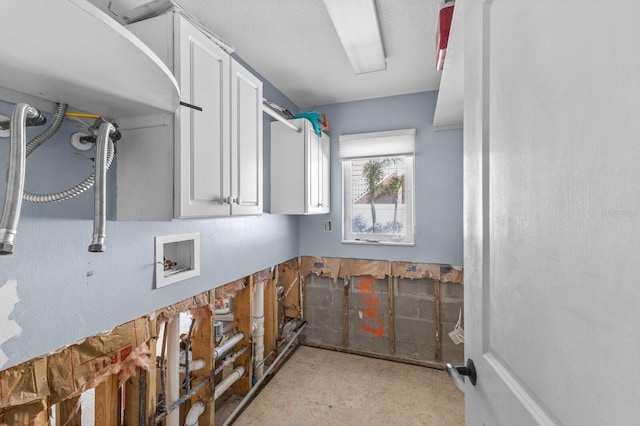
pixel 271 317
pixel 392 328
pixel 345 313
pixel 436 314
pixel 106 408
pixel 290 280
pixel 134 387
pixel 203 346
pixel 302 289
pixel 42 419
pixel 242 309
pixel 151 382
pixel 65 412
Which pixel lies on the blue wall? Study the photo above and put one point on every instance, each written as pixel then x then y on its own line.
pixel 438 182
pixel 65 293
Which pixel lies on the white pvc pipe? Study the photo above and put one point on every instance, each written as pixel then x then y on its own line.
pixel 195 364
pixel 173 369
pixel 258 333
pixel 194 413
pixel 228 345
pixel 228 381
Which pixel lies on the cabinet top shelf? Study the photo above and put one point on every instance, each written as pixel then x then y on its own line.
pixel 71 52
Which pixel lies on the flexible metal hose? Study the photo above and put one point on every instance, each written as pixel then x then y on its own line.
pixel 76 190
pixel 15 176
pixel 100 191
pixel 58 118
pixel 87 183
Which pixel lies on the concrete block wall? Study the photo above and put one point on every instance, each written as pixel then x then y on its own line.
pixel 414 319
pixel 451 302
pixel 323 304
pixel 368 317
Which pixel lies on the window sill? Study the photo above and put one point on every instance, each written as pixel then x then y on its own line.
pixel 378 243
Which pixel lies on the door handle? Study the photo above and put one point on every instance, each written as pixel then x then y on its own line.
pixel 457 373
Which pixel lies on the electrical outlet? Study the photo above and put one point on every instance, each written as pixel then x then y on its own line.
pixel 327 226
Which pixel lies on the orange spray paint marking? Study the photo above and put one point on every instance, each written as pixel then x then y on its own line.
pixel 367 290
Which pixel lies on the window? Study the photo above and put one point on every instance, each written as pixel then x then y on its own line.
pixel 377 176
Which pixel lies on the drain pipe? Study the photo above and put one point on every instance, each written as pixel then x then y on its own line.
pixel 194 414
pixel 228 381
pixel 228 345
pixel 100 190
pixel 15 179
pixel 258 333
pixel 266 374
pixel 229 360
pixel 173 368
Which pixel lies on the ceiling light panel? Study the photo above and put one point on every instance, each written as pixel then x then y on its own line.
pixel 356 22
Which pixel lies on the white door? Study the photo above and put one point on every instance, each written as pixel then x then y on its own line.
pixel 552 211
pixel 246 142
pixel 203 156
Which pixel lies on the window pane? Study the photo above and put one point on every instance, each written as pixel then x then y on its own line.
pixel 378 196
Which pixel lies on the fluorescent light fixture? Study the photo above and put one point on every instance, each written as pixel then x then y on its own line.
pixel 356 23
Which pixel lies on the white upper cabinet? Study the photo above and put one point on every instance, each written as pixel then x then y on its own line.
pixel 300 171
pixel 70 51
pixel 203 156
pixel 246 142
pixel 212 148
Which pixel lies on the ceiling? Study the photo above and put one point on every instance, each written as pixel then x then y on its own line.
pixel 292 43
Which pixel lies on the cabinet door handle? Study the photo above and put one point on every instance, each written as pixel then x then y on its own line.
pixel 197 108
pixel 231 200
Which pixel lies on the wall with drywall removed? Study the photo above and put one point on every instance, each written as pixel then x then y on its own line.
pixel 56 292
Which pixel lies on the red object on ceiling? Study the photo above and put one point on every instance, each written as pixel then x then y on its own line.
pixel 442 35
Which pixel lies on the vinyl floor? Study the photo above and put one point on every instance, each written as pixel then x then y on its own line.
pixel 321 387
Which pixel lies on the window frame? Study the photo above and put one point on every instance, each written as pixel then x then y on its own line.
pixel 349 237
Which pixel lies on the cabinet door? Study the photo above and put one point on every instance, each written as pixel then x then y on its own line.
pixel 314 170
pixel 325 173
pixel 246 142
pixel 202 151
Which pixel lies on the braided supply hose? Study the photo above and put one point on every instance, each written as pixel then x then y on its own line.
pixel 74 191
